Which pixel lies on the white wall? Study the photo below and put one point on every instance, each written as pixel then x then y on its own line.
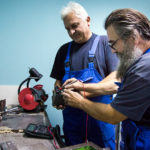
pixel 9 93
pixel 31 32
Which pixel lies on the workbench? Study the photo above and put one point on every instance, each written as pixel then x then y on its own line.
pixel 12 132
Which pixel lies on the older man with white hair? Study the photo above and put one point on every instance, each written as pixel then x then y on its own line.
pixel 89 59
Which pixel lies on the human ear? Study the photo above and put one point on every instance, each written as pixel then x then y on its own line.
pixel 88 20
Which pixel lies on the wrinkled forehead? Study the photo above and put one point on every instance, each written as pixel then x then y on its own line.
pixel 111 33
pixel 71 18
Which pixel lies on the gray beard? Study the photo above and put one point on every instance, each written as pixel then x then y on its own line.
pixel 127 58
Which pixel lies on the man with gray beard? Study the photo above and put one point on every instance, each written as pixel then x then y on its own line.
pixel 129 36
pixel 128 56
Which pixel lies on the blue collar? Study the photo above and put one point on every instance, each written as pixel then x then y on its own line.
pixel 147 51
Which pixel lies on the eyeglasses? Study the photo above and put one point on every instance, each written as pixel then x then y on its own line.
pixel 112 44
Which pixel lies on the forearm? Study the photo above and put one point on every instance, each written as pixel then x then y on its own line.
pixel 105 87
pixel 100 89
pixel 101 111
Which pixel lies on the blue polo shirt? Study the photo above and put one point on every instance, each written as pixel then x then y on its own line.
pixel 133 99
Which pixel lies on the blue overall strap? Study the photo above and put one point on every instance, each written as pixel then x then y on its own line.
pixel 119 84
pixel 130 131
pixel 92 52
pixel 147 51
pixel 134 137
pixel 67 60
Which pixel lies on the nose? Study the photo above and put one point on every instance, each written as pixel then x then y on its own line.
pixel 71 31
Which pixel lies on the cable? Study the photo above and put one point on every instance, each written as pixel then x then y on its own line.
pixel 55 145
pixel 86 130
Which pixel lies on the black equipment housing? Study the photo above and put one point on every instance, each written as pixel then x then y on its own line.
pixel 57 98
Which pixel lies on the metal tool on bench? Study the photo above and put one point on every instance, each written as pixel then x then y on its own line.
pixel 32 98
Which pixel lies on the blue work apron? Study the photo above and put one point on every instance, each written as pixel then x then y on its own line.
pixel 99 132
pixel 133 136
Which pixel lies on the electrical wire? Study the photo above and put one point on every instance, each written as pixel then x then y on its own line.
pixel 55 145
pixel 86 130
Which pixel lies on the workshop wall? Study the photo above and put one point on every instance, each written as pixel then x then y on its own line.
pixel 31 32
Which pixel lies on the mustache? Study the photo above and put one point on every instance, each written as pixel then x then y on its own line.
pixel 127 58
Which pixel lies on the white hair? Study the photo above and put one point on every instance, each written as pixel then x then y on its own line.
pixel 77 9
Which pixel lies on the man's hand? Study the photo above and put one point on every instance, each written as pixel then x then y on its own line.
pixel 72 98
pixel 73 84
